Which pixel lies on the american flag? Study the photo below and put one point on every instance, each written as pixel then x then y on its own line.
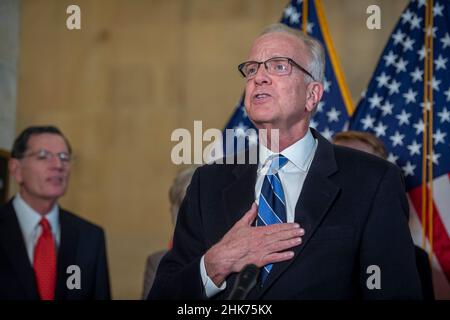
pixel 333 111
pixel 392 108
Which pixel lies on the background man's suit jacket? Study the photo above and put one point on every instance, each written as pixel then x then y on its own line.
pixel 354 212
pixel 82 244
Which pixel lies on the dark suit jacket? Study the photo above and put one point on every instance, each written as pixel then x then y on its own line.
pixel 82 244
pixel 354 212
pixel 425 274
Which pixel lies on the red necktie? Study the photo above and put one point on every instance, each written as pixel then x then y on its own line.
pixel 45 262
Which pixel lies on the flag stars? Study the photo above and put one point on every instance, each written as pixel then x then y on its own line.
pixel 375 101
pixel 440 62
pixel 390 58
pixel 387 108
pixel 408 44
pixel 392 158
pixel 416 75
pixel 398 36
pixel 333 115
pixel 445 41
pixel 403 118
pixel 439 137
pixel 326 85
pixel 380 129
pixel 397 139
pixel 434 158
pixel 289 11
pixel 435 83
pixel 406 16
pixel 252 138
pixel 244 112
pixel 419 126
pixel 422 53
pixel 437 10
pixel 414 148
pixel 408 169
pixel 415 22
pixel 447 93
pixel 394 87
pixel 383 80
pixel 430 31
pixel 295 18
pixel 410 96
pixel 327 133
pixel 320 106
pixel 368 122
pixel 444 115
pixel 401 65
pixel 239 130
pixel 427 104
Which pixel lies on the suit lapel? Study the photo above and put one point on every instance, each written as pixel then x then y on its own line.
pixel 11 239
pixel 240 194
pixel 316 197
pixel 66 253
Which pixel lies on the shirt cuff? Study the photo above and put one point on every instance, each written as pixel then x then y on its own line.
pixel 210 288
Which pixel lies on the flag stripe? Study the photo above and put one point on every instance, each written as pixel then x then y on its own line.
pixel 441 194
pixel 441 240
pixel 440 283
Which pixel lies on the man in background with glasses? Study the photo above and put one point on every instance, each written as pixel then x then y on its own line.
pixel 320 221
pixel 46 252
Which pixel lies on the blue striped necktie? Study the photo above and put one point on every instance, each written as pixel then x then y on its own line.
pixel 272 207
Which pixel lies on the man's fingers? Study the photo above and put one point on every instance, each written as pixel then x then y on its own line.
pixel 278 246
pixel 280 227
pixel 286 234
pixel 277 257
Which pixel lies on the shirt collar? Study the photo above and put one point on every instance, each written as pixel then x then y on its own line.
pixel 298 153
pixel 29 219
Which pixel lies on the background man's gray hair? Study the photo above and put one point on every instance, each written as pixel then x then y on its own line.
pixel 316 52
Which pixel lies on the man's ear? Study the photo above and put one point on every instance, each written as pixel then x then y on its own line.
pixel 15 169
pixel 314 92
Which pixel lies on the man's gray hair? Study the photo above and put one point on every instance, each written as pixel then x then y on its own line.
pixel 316 52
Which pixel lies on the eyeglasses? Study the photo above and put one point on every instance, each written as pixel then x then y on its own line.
pixel 45 155
pixel 278 66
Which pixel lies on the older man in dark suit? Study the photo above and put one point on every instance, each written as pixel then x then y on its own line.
pixel 328 223
pixel 47 252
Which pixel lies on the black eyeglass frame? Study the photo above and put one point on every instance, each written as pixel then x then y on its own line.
pixel 292 62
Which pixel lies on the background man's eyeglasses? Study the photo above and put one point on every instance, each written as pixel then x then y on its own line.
pixel 278 66
pixel 45 155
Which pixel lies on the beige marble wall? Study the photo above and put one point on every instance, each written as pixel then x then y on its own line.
pixel 136 71
pixel 9 48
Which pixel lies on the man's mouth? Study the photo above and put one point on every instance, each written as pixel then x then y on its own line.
pixel 56 180
pixel 261 96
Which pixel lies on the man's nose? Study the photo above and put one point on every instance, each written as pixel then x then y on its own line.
pixel 262 76
pixel 56 162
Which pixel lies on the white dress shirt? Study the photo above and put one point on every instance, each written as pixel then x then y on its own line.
pixel 29 224
pixel 292 176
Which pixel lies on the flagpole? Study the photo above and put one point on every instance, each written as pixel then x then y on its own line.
pixel 425 134
pixel 430 121
pixel 333 57
pixel 305 17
